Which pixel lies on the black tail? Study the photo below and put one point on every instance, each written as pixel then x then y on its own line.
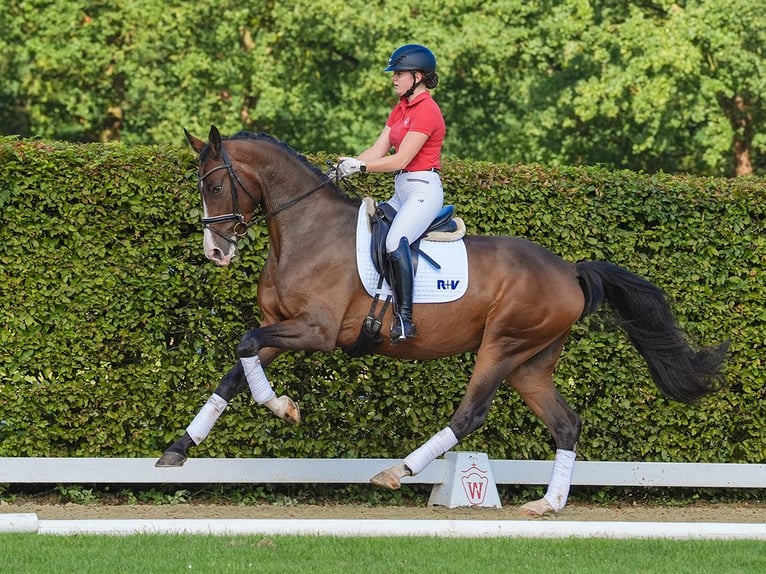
pixel 679 371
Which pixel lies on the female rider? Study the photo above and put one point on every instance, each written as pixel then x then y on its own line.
pixel 415 130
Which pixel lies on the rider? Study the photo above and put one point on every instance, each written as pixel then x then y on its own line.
pixel 415 129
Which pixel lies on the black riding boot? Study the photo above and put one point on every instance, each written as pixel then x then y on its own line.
pixel 400 267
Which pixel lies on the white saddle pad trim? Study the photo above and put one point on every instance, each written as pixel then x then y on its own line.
pixel 431 285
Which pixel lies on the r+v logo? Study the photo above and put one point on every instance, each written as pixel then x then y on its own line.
pixel 447 285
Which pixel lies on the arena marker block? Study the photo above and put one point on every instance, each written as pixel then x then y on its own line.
pixel 19 523
pixel 468 482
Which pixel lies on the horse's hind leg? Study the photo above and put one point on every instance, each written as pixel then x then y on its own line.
pixel 534 382
pixel 469 416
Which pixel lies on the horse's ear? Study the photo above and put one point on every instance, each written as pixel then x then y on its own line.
pixel 196 143
pixel 214 139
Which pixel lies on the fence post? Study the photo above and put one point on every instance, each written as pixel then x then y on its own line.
pixel 468 482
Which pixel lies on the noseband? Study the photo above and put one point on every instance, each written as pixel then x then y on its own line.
pixel 241 227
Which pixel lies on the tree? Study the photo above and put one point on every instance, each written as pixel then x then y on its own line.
pixel 658 86
pixel 649 85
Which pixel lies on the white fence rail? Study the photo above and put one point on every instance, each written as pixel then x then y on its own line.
pixel 20 470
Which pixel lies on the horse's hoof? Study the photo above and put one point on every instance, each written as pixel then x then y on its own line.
pixel 170 459
pixel 537 509
pixel 391 478
pixel 386 479
pixel 292 412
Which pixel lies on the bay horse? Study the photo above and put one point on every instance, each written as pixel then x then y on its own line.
pixel 522 301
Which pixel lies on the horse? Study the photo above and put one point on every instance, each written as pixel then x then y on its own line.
pixel 515 317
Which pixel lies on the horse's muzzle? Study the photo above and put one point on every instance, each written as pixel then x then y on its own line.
pixel 220 255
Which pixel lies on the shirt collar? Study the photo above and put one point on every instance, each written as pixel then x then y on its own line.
pixel 417 99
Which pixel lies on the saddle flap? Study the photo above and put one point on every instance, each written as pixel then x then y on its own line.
pixel 379 226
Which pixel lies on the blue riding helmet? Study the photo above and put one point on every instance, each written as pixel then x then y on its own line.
pixel 412 57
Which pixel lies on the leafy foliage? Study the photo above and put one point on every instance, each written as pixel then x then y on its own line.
pixel 116 329
pixel 671 86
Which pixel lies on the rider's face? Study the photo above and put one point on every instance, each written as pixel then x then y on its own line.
pixel 403 81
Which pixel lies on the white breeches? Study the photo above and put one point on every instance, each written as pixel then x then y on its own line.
pixel 418 198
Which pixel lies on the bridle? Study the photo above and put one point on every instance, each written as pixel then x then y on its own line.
pixel 241 226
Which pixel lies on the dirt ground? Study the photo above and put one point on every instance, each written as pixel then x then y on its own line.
pixel 711 512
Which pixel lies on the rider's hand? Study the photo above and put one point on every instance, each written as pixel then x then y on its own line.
pixel 349 166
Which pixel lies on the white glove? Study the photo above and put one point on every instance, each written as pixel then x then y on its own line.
pixel 349 166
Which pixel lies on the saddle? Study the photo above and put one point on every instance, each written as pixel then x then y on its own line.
pixel 444 227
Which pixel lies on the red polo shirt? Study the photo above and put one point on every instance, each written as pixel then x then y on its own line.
pixel 421 115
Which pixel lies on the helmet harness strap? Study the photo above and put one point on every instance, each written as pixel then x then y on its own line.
pixel 415 84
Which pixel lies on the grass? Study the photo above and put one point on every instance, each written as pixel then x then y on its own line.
pixel 168 554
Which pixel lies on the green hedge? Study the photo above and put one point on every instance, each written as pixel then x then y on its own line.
pixel 116 329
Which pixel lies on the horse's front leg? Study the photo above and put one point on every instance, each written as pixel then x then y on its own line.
pixel 257 348
pixel 295 334
pixel 263 393
pixel 236 380
pixel 232 383
pixel 266 343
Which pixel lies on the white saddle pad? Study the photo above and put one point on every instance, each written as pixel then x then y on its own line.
pixel 431 285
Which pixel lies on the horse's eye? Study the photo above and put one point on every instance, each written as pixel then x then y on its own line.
pixel 216 189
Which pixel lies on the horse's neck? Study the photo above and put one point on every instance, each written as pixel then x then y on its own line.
pixel 318 221
pixel 308 212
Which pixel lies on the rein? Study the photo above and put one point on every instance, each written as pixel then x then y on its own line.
pixel 241 227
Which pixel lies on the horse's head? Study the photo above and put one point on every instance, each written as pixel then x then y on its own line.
pixel 228 205
pixel 250 172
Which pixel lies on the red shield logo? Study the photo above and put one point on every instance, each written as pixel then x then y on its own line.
pixel 475 483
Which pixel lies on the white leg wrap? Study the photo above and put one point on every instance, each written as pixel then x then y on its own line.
pixel 434 447
pixel 256 379
pixel 561 479
pixel 200 427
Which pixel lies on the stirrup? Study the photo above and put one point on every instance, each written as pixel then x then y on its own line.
pixel 399 330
